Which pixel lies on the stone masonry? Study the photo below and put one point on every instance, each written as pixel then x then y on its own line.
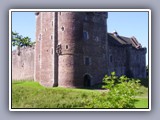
pixel 73 49
pixel 23 64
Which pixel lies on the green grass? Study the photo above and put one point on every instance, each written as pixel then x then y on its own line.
pixel 142 103
pixel 29 94
pixel 144 91
pixel 142 98
pixel 32 95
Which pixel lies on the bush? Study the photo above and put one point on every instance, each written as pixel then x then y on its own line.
pixel 122 91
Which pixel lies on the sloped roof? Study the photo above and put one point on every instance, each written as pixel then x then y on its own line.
pixel 121 41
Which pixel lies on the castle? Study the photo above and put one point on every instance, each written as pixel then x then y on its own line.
pixel 74 49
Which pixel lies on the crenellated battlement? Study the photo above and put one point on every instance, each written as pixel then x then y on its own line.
pixel 22 50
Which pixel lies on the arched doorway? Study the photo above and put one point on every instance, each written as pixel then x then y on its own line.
pixel 87 81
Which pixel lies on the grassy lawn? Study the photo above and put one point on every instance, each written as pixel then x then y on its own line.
pixel 29 94
pixel 142 103
pixel 142 99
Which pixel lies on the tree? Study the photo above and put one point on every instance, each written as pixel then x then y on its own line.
pixel 122 91
pixel 20 41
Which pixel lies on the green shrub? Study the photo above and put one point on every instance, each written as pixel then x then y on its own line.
pixel 122 91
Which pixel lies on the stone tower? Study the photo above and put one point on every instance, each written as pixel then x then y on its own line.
pixel 70 48
pixel 70 32
pixel 46 60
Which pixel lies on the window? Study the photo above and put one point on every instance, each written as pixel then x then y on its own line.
pixel 40 36
pixel 94 19
pixel 23 65
pixel 39 57
pixel 62 28
pixel 52 51
pixel 87 61
pixel 96 38
pixel 66 46
pixel 104 56
pixel 137 58
pixel 52 23
pixel 85 35
pixel 86 18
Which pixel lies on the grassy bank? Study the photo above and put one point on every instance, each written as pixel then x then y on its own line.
pixel 29 94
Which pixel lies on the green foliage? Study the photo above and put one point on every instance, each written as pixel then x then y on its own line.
pixel 122 91
pixel 110 81
pixel 30 94
pixel 20 41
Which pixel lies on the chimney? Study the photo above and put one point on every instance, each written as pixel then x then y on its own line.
pixel 115 33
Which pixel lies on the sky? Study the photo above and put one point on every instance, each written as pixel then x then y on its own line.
pixel 127 24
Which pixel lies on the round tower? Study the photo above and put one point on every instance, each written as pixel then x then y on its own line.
pixel 69 49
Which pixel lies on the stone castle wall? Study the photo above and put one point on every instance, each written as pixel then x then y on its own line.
pixel 72 50
pixel 117 60
pixel 23 64
pixel 137 62
pixel 127 61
